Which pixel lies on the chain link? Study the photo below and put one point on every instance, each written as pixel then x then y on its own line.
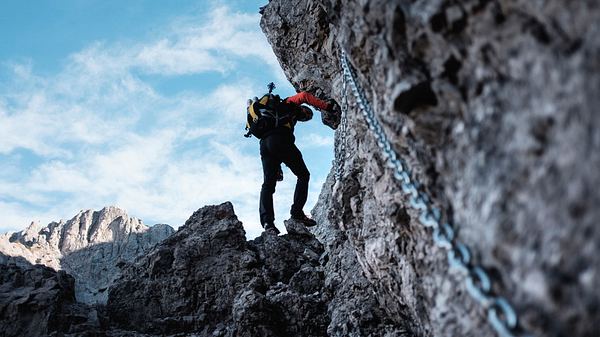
pixel 501 315
pixel 340 140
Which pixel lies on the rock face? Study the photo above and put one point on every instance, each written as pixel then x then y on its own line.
pixel 89 247
pixel 354 309
pixel 208 280
pixel 492 104
pixel 39 301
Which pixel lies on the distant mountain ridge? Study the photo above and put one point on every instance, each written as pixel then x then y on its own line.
pixel 89 246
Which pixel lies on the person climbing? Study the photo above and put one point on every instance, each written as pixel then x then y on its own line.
pixel 272 120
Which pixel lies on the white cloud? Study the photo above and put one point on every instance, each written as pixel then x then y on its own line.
pixel 16 217
pixel 168 58
pixel 105 136
pixel 316 140
pixel 198 132
pixel 187 48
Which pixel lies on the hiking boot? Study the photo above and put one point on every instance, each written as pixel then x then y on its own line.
pixel 270 228
pixel 306 221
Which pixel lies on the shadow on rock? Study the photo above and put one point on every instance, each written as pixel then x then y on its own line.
pixel 207 279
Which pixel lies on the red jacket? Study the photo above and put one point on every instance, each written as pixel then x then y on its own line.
pixel 305 97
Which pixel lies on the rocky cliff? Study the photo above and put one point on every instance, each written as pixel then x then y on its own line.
pixel 473 127
pixel 208 280
pixel 490 103
pixel 39 301
pixel 205 280
pixel 89 246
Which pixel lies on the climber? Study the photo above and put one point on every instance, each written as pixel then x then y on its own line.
pixel 272 120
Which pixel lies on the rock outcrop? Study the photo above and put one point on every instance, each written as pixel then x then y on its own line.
pixel 353 308
pixel 206 279
pixel 39 301
pixel 491 102
pixel 89 247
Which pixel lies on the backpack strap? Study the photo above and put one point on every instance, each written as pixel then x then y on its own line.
pixel 268 112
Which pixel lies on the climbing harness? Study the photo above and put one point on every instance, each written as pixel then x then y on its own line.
pixel 501 315
pixel 340 140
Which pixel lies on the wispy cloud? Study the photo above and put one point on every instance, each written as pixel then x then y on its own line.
pixel 99 132
pixel 15 216
pixel 102 134
pixel 316 140
pixel 186 47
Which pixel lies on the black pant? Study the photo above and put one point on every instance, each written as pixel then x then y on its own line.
pixel 275 149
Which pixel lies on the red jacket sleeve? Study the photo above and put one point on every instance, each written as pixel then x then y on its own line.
pixel 305 97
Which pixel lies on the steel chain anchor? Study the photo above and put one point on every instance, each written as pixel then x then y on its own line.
pixel 501 315
pixel 340 140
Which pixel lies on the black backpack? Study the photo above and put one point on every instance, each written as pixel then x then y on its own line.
pixel 266 114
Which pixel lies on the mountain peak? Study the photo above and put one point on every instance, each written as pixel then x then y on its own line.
pixel 87 245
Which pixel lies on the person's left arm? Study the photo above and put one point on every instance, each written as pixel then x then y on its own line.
pixel 308 98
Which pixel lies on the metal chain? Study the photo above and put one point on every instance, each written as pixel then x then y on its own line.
pixel 500 313
pixel 340 140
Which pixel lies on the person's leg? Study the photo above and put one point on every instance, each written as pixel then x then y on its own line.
pixel 270 166
pixel 293 159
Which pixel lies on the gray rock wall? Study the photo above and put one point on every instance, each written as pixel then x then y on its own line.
pixel 492 104
pixel 39 301
pixel 354 309
pixel 207 280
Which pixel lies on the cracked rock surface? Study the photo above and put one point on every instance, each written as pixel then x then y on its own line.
pixel 39 301
pixel 207 279
pixel 492 104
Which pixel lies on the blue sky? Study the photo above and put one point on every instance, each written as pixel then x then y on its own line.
pixel 137 104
